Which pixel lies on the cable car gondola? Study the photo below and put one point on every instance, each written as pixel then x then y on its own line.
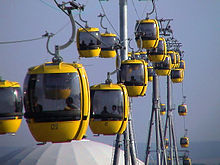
pixel 177 75
pixel 169 161
pixel 163 68
pixel 150 73
pixel 162 109
pixel 88 42
pixel 107 45
pixel 166 143
pixel 133 74
pixel 109 109
pixel 187 161
pixel 182 64
pixel 147 33
pixel 10 106
pixel 177 60
pixel 184 142
pixel 158 54
pixel 57 101
pixel 172 54
pixel 182 110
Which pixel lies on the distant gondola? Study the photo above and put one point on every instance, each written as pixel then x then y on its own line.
pixel 10 106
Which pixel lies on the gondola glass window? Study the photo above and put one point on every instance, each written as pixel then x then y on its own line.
pixel 159 49
pixel 147 31
pixel 108 42
pixel 10 100
pixel 176 74
pixel 52 92
pixel 104 108
pixel 89 40
pixel 132 74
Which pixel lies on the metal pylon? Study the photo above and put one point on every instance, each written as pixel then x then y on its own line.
pixel 129 144
pixel 169 125
pixel 155 120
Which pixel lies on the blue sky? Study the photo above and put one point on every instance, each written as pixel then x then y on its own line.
pixel 196 24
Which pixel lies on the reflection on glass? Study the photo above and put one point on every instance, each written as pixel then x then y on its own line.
pixel 108 42
pixel 52 92
pixel 10 100
pixel 107 105
pixel 132 74
pixel 89 40
pixel 159 49
pixel 146 30
pixel 162 65
pixel 176 74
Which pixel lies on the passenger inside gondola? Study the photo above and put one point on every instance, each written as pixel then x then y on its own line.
pixel 70 105
pixel 115 110
pixel 37 107
pixel 104 112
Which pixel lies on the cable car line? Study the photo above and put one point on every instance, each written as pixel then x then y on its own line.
pixel 108 19
pixel 25 40
pixel 47 4
pixel 135 8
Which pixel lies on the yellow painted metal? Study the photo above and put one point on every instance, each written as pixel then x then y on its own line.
pixel 172 54
pixel 106 127
pixel 184 142
pixel 150 73
pixel 148 44
pixel 166 143
pixel 6 84
pixel 177 60
pixel 162 109
pixel 182 110
pixel 63 131
pixel 158 57
pixel 135 91
pixel 111 127
pixel 143 55
pixel 9 125
pixel 187 161
pixel 177 75
pixel 89 52
pixel 107 53
pixel 164 67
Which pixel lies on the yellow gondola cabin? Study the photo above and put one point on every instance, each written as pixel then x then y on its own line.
pixel 159 53
pixel 150 73
pixel 88 42
pixel 57 102
pixel 107 45
pixel 182 110
pixel 133 74
pixel 147 33
pixel 10 107
pixel 162 109
pixel 177 75
pixel 109 109
pixel 187 161
pixel 184 142
pixel 163 68
pixel 172 54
